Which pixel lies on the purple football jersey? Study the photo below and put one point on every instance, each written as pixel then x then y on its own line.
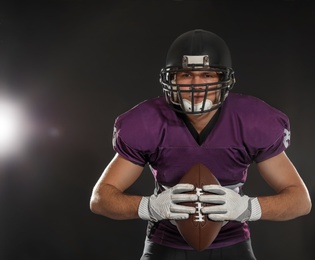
pixel 247 130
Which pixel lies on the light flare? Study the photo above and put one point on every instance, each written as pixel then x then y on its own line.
pixel 14 126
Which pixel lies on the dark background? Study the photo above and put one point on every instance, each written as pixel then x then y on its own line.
pixel 79 64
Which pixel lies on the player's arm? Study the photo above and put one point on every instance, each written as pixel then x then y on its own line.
pixel 292 198
pixel 108 197
pixel 290 201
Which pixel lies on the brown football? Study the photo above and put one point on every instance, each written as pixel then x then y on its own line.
pixel 198 230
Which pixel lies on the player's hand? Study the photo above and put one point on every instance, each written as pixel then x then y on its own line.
pixel 164 205
pixel 229 205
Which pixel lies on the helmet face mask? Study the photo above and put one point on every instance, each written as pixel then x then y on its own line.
pixel 197 53
pixel 181 96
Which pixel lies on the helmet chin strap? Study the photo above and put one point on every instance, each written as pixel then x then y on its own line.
pixel 197 107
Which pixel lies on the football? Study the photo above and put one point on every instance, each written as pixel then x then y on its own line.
pixel 198 231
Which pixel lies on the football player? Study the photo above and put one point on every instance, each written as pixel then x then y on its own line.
pixel 198 120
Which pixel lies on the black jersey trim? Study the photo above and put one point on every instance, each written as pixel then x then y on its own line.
pixel 200 138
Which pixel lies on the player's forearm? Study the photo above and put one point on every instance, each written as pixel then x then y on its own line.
pixel 290 203
pixel 111 202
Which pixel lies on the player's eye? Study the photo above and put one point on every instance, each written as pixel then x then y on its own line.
pixel 184 75
pixel 210 75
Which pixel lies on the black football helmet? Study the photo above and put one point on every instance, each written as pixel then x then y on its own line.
pixel 197 51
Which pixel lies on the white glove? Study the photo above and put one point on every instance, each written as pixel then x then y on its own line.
pixel 229 205
pixel 163 205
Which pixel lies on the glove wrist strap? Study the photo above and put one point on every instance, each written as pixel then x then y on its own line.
pixel 255 209
pixel 143 210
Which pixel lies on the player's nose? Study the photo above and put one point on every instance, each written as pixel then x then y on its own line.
pixel 196 79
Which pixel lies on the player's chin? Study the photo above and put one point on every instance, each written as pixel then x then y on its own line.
pixel 198 99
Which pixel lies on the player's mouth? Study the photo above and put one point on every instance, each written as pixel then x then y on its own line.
pixel 198 98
